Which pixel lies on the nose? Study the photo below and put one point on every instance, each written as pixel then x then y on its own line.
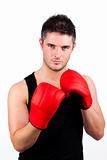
pixel 58 52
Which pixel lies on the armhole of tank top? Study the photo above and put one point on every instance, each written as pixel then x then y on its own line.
pixel 31 85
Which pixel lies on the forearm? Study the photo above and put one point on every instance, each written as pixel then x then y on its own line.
pixel 93 122
pixel 25 137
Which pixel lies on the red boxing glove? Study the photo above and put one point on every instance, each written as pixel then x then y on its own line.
pixel 72 81
pixel 45 102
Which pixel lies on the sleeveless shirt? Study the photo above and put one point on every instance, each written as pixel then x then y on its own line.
pixel 62 139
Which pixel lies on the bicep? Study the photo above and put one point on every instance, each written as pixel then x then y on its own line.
pixel 17 109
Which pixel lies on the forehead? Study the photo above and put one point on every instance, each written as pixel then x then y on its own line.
pixel 58 38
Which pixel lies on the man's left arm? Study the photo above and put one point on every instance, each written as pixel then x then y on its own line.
pixel 93 118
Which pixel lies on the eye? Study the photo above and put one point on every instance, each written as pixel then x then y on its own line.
pixel 51 45
pixel 65 47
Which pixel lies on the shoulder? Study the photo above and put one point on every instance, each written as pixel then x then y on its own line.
pixel 91 86
pixel 18 90
pixel 89 80
pixel 18 87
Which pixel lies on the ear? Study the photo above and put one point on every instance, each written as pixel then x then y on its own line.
pixel 41 42
pixel 74 44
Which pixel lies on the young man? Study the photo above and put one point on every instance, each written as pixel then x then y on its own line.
pixel 48 109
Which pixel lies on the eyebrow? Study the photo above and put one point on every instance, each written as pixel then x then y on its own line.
pixel 51 44
pixel 55 45
pixel 66 46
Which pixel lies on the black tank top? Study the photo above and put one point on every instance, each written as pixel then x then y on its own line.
pixel 62 140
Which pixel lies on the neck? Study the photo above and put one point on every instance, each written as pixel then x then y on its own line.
pixel 51 74
pixel 45 74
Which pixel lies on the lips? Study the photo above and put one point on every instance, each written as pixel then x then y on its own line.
pixel 56 61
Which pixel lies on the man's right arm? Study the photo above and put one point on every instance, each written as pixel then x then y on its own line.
pixel 23 134
pixel 44 103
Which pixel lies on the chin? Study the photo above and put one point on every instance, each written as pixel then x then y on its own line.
pixel 57 69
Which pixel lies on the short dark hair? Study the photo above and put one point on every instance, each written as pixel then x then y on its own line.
pixel 58 23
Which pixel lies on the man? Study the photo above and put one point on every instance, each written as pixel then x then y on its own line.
pixel 48 109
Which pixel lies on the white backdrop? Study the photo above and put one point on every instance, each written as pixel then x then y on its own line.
pixel 20 54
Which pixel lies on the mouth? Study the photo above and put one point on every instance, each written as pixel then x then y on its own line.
pixel 56 61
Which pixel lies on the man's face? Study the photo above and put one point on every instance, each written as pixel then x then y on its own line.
pixel 56 49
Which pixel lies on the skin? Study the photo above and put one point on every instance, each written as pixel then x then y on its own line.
pixel 57 49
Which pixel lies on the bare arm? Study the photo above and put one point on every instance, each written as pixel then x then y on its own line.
pixel 23 134
pixel 93 119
